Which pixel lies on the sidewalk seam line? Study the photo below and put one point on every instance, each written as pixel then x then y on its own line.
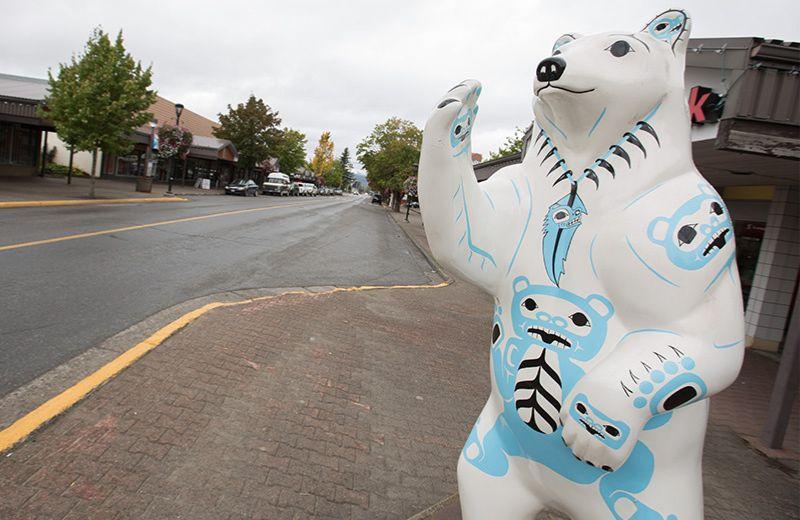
pixel 20 429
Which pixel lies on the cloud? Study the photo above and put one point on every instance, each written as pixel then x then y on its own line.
pixel 345 67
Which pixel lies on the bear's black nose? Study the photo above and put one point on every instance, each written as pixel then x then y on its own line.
pixel 550 69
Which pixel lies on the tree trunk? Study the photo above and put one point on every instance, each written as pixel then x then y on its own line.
pixel 396 201
pixel 91 177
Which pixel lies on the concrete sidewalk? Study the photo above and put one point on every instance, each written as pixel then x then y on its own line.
pixel 314 405
pixel 20 189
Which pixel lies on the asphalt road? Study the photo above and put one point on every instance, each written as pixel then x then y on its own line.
pixel 59 299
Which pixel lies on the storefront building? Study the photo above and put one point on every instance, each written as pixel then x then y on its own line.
pixel 208 158
pixel 21 129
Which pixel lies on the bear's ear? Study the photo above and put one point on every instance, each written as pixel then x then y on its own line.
pixel 520 284
pixel 657 230
pixel 672 27
pixel 600 305
pixel 563 40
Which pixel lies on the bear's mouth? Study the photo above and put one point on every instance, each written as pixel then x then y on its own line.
pixel 550 337
pixel 572 91
pixel 718 240
pixel 591 429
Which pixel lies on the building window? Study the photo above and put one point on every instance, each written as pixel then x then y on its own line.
pixel 18 144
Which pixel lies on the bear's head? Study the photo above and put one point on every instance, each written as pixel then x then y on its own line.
pixel 696 232
pixel 559 320
pixel 601 85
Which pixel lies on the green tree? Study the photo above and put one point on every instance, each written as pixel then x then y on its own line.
pixel 513 144
pixel 99 98
pixel 322 161
pixel 346 166
pixel 390 154
pixel 291 150
pixel 252 127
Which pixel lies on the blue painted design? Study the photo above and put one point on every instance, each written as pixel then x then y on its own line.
pixel 725 267
pixel 608 431
pixel 556 311
pixel 638 197
pixel 667 28
pixel 461 130
pixel 696 232
pixel 472 247
pixel 656 421
pixel 554 125
pixel 562 221
pixel 726 345
pixel 679 381
pixel 489 198
pixel 509 436
pixel 594 126
pixel 516 191
pixel 649 268
pixel 591 256
pixel 645 331
pixel 525 228
pixel 663 384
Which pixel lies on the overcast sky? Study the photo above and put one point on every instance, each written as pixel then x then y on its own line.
pixel 345 66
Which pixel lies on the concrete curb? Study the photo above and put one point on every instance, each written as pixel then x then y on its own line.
pixel 82 202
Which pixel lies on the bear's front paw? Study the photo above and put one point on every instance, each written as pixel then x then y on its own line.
pixel 454 117
pixel 595 437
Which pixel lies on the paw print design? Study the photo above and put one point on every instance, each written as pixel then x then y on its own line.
pixel 668 386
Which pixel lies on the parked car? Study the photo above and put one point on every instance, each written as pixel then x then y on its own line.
pixel 277 184
pixel 377 198
pixel 337 191
pixel 242 187
pixel 311 190
pixel 296 189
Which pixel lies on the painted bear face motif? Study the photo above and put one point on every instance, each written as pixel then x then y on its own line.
pixel 563 216
pixel 461 130
pixel 608 431
pixel 559 320
pixel 696 233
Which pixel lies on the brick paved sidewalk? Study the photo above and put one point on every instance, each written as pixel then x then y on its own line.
pixel 330 406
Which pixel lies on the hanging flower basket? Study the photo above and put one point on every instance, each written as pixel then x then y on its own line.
pixel 173 141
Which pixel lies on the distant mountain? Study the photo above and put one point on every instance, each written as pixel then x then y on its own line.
pixel 361 179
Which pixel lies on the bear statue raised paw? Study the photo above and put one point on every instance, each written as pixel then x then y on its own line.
pixel 611 261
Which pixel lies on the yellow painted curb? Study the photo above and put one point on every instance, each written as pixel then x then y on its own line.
pixel 47 411
pixel 82 202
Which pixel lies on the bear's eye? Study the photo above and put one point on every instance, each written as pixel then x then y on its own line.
pixel 458 129
pixel 612 431
pixel 530 304
pixel 619 48
pixel 661 26
pixel 716 208
pixel 580 407
pixel 579 319
pixel 686 234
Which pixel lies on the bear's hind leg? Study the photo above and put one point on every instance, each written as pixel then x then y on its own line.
pixel 509 497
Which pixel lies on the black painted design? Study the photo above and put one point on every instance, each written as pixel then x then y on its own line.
pixel 680 397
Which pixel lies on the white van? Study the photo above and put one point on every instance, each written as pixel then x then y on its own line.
pixel 277 183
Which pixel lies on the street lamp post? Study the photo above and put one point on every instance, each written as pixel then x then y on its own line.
pixel 178 112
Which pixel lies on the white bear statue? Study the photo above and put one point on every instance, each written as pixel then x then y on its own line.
pixel 618 308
